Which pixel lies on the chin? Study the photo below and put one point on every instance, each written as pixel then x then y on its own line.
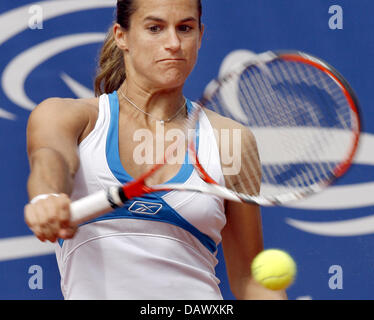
pixel 172 82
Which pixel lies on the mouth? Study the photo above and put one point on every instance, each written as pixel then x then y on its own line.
pixel 171 60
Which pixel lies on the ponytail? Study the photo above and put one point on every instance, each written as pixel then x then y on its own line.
pixel 111 69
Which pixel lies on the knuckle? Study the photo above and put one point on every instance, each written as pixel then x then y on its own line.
pixel 51 219
pixel 43 224
pixel 52 238
pixel 28 219
pixel 44 221
pixel 27 211
pixel 41 238
pixel 39 235
pixel 63 196
pixel 29 223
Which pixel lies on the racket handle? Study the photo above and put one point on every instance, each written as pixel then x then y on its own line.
pixel 95 205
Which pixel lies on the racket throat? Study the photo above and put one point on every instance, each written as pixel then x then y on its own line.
pixel 134 189
pixel 199 168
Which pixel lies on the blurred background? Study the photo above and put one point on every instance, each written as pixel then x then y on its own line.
pixel 50 48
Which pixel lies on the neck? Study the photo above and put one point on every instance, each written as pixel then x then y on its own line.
pixel 159 103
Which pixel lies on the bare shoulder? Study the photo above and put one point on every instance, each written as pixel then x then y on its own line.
pixel 77 116
pixel 68 106
pixel 240 162
pixel 220 122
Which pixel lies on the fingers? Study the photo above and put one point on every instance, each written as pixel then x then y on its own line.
pixel 67 233
pixel 32 220
pixel 64 215
pixel 49 218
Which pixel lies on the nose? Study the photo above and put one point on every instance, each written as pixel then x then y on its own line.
pixel 173 42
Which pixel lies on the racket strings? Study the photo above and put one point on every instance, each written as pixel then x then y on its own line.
pixel 300 117
pixel 257 89
pixel 297 98
pixel 341 113
pixel 280 116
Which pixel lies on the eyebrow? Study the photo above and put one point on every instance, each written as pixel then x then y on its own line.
pixel 153 18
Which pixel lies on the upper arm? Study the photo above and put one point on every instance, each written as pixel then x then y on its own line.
pixel 56 125
pixel 240 162
pixel 242 237
pixel 246 178
pixel 242 240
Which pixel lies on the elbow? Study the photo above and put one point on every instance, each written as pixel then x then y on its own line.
pixel 249 289
pixel 240 287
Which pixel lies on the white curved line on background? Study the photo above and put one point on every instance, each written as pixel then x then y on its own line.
pixel 24 247
pixel 346 196
pixel 338 198
pixel 78 89
pixel 16 20
pixel 308 144
pixel 20 67
pixel 342 197
pixel 345 228
pixel 234 62
pixel 7 115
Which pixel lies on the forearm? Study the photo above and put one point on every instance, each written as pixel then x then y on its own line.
pixel 249 289
pixel 50 173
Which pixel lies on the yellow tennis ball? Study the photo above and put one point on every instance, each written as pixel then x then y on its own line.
pixel 274 269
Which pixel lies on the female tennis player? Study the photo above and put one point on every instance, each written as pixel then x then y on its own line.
pixel 162 245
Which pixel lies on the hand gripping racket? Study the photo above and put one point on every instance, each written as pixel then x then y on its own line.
pixel 305 120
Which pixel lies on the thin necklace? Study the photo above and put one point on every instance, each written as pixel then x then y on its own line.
pixel 153 117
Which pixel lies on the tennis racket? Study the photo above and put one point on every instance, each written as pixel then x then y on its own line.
pixel 302 114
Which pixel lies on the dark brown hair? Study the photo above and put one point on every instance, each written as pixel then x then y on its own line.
pixel 111 68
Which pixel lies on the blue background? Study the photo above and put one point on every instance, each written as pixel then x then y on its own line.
pixel 256 25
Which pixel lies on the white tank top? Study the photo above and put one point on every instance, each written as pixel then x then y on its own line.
pixel 159 246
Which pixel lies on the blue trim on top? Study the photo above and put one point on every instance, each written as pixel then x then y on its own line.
pixel 112 142
pixel 166 214
pixel 112 148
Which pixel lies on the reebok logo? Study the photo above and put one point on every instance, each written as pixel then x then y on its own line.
pixel 145 207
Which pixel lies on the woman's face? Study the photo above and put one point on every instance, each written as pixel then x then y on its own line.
pixel 162 43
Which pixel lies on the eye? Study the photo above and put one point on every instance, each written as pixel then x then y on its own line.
pixel 185 28
pixel 155 28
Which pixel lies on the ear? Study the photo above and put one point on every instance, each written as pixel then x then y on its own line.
pixel 120 36
pixel 201 35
